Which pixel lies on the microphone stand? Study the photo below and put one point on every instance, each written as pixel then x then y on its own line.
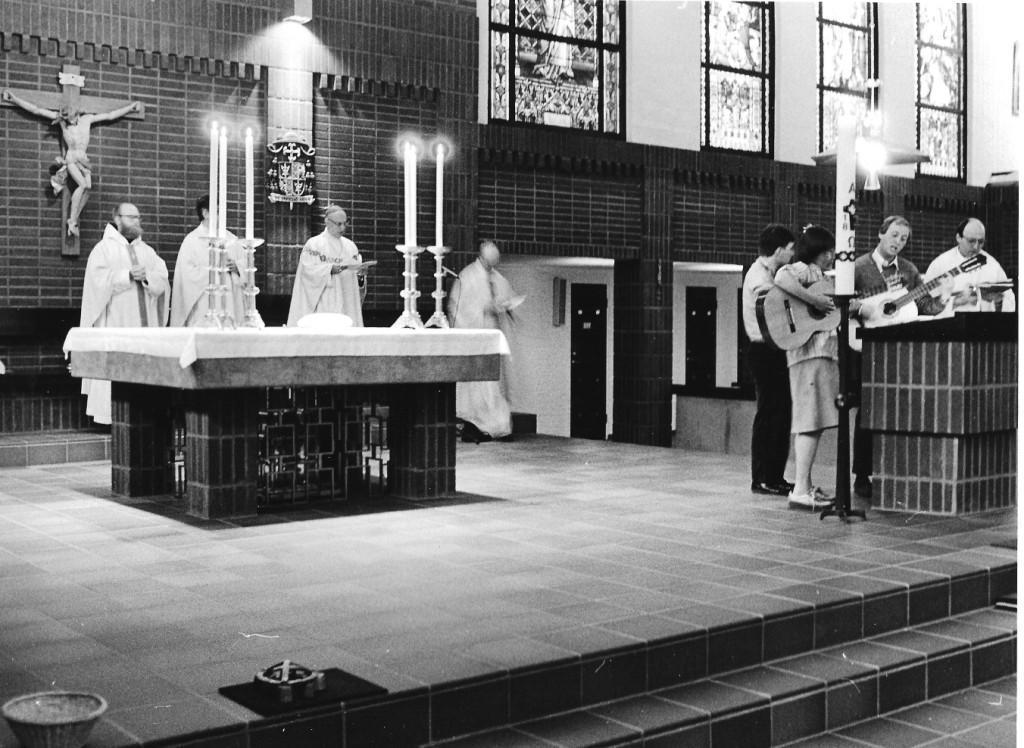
pixel 844 401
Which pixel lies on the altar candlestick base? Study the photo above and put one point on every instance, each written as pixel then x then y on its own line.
pixel 410 318
pixel 438 318
pixel 249 291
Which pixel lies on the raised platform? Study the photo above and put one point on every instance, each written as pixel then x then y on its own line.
pixel 53 447
pixel 573 593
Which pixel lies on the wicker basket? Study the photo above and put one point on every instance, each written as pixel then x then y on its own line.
pixel 53 719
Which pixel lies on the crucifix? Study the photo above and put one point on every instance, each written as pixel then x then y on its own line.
pixel 75 115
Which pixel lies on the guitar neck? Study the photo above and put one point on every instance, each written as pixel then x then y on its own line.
pixel 924 288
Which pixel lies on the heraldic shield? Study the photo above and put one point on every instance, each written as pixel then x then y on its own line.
pixel 290 175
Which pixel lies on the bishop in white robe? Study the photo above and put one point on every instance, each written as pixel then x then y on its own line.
pixel 125 286
pixel 328 275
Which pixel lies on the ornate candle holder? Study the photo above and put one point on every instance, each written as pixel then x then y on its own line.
pixel 212 318
pixel 249 290
pixel 438 318
pixel 409 318
pixel 224 295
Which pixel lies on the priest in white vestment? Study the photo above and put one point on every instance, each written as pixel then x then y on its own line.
pixel 330 275
pixel 189 296
pixel 125 286
pixel 482 298
pixel 984 289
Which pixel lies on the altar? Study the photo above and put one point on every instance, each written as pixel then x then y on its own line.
pixel 222 378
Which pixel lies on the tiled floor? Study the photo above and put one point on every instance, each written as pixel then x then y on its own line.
pixel 557 547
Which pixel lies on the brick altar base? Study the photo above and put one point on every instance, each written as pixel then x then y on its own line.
pixel 945 474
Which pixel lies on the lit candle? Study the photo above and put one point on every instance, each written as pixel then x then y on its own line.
pixel 405 186
pixel 409 151
pixel 249 192
pixel 211 219
pixel 439 189
pixel 846 202
pixel 222 201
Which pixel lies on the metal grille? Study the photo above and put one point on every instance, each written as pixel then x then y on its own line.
pixel 320 444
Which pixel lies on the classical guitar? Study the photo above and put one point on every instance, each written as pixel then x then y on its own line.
pixel 898 306
pixel 788 322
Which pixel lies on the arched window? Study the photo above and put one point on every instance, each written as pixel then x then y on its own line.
pixel 737 65
pixel 941 98
pixel 557 63
pixel 847 64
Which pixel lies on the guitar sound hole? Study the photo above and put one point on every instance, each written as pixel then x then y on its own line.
pixel 889 308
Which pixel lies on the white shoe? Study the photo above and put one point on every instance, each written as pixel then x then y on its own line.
pixel 808 501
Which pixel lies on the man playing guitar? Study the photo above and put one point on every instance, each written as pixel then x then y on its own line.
pixel 880 276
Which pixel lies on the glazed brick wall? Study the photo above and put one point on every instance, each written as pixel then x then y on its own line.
pixel 570 214
pixel 945 415
pixel 419 43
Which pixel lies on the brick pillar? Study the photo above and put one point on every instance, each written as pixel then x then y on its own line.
pixel 944 416
pixel 421 436
pixel 140 439
pixel 643 320
pixel 222 447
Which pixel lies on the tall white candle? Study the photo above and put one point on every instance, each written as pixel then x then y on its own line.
pixel 410 200
pixel 249 191
pixel 846 202
pixel 439 198
pixel 222 200
pixel 212 215
pixel 406 186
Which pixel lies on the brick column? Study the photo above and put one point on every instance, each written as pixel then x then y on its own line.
pixel 944 415
pixel 421 436
pixel 222 448
pixel 140 439
pixel 643 320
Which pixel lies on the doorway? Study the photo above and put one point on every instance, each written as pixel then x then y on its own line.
pixel 588 418
pixel 701 319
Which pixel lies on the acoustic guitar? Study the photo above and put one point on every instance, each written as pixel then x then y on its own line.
pixel 788 322
pixel 899 306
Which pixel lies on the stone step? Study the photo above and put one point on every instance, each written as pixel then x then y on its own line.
pixel 53 447
pixel 787 699
pixel 738 633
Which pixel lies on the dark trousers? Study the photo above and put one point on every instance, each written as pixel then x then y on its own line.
pixel 862 444
pixel 769 442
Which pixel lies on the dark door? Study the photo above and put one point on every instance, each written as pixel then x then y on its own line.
pixel 589 308
pixel 701 314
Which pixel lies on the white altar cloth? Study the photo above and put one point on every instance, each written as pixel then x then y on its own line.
pixel 191 344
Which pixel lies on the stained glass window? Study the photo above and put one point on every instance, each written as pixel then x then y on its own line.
pixel 736 65
pixel 941 102
pixel 847 64
pixel 557 63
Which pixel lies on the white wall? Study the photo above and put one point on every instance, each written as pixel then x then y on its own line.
pixel 539 376
pixel 796 80
pixel 995 138
pixel 726 283
pixel 663 94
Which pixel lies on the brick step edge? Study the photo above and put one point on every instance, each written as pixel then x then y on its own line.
pixel 788 699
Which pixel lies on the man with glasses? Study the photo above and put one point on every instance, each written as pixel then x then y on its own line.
pixel 125 286
pixel 984 289
pixel 331 273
